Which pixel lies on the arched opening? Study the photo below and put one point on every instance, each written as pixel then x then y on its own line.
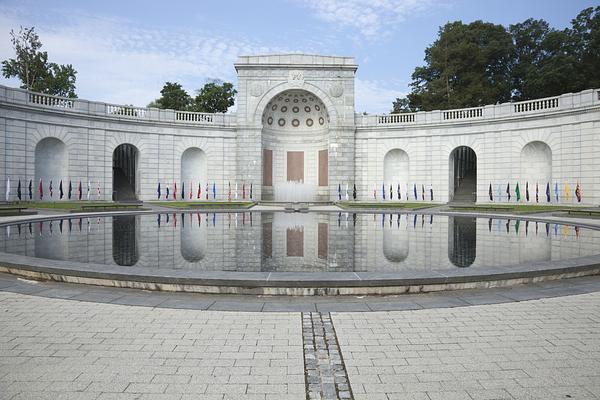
pixel 295 148
pixel 51 161
pixel 536 166
pixel 395 169
pixel 193 239
pixel 193 167
pixel 125 171
pixel 125 243
pixel 463 175
pixel 462 241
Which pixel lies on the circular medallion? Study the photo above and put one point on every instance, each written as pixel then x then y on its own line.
pixel 295 122
pixel 321 121
pixel 307 109
pixel 274 107
pixel 281 122
pixel 284 109
pixel 295 109
pixel 309 122
pixel 270 120
pixel 317 107
pixel 336 90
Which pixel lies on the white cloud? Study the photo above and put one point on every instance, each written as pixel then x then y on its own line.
pixel 119 62
pixel 375 97
pixel 372 18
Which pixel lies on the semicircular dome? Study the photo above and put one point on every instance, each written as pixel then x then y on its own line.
pixel 295 110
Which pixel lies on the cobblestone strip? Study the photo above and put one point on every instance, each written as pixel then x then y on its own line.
pixel 324 369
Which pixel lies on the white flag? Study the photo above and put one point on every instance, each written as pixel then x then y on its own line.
pixel 236 190
pixel 7 189
pixel 346 191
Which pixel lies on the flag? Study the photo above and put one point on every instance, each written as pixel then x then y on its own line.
pixel 415 191
pixel 354 191
pixel 30 190
pixel 191 191
pixel 518 192
pixel 383 191
pixel 214 191
pixel 399 192
pixel 182 190
pixel 174 190
pixel 431 192
pixel 206 191
pixel 578 193
pixel 199 190
pixel 89 189
pixel 374 192
pixel 406 192
pixel 70 189
pixel 527 191
pixel 556 191
pixel 490 192
pixel 19 190
pixel 537 193
pixel 50 189
pixel 80 190
pixel 567 194
pixel 158 195
pixel 339 191
pixel 41 189
pixel 98 190
pixel 243 191
pixel 422 192
pixel 508 190
pixel 391 193
pixel 346 191
pixel 61 192
pixel 250 196
pixel 548 192
pixel 167 192
pixel 229 191
pixel 7 189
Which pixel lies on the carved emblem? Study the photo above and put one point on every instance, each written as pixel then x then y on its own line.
pixel 336 90
pixel 256 89
pixel 296 77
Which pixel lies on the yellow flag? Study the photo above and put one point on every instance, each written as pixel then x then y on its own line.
pixel 567 191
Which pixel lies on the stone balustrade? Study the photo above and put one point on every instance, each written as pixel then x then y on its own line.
pixel 565 102
pixel 14 96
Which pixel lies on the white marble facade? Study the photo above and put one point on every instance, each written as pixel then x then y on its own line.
pixel 549 143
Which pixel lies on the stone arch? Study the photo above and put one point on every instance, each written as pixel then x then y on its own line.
pixel 396 168
pixel 193 166
pixel 462 174
pixel 283 87
pixel 536 164
pixel 51 161
pixel 125 166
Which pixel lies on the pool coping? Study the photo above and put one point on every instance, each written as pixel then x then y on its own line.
pixel 296 283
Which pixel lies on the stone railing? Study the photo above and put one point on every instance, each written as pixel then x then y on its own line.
pixel 569 101
pixel 128 112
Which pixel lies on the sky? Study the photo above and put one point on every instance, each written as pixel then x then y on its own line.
pixel 124 51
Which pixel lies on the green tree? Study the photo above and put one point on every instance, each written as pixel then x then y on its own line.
pixel 31 66
pixel 173 97
pixel 214 97
pixel 584 45
pixel 401 105
pixel 468 65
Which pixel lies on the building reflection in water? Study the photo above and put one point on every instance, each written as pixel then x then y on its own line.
pixel 193 238
pixel 125 243
pixel 395 240
pixel 462 241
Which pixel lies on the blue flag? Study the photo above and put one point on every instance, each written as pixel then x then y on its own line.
pixel 157 192
pixel 415 191
pixel 214 191
pixel 548 192
pixel 556 191
pixel 383 191
pixel 339 191
pixel 182 190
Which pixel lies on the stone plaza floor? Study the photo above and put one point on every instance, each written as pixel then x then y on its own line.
pixel 511 343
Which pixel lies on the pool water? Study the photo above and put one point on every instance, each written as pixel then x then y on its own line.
pixel 300 242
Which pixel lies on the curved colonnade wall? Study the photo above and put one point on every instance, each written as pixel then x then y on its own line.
pixel 450 155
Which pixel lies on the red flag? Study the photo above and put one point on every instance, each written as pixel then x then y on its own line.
pixel 41 189
pixel 199 189
pixel 206 190
pixel 243 191
pixel 190 190
pixel 578 193
pixel 174 190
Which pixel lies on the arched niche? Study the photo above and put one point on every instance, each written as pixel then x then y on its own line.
pixel 395 243
pixel 125 234
pixel 463 175
pixel 193 167
pixel 536 164
pixel 395 168
pixel 125 172
pixel 51 161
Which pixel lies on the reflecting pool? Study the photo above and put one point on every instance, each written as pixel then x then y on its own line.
pixel 277 241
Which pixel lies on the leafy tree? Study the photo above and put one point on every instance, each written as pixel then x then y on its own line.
pixel 173 97
pixel 468 65
pixel 31 66
pixel 214 97
pixel 401 105
pixel 584 44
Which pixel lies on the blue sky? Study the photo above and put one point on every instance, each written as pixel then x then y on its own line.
pixel 125 50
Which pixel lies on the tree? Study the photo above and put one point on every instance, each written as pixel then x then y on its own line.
pixel 173 97
pixel 214 97
pixel 467 66
pixel 584 44
pixel 31 66
pixel 401 105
